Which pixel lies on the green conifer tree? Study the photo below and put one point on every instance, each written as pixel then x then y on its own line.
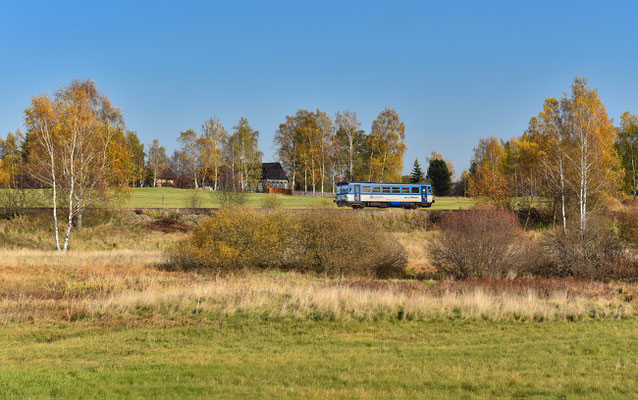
pixel 440 176
pixel 416 175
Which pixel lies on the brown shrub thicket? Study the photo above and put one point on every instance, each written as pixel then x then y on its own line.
pixel 599 254
pixel 334 244
pixel 534 217
pixel 628 225
pixel 481 242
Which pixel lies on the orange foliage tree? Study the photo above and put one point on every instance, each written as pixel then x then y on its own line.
pixel 487 176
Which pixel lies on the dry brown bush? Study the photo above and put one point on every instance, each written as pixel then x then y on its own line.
pixel 343 244
pixel 334 244
pixel 481 242
pixel 599 254
pixel 628 225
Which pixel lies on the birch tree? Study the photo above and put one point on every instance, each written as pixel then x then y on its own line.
pixel 575 139
pixel 191 153
pixel 245 154
pixel 590 153
pixel 157 159
pixel 349 142
pixel 213 137
pixel 549 133
pixel 136 150
pixel 287 148
pixel 10 158
pixel 325 141
pixel 77 148
pixel 386 146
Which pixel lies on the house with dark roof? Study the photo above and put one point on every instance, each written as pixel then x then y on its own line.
pixel 273 179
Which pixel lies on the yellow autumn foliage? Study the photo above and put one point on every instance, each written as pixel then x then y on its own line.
pixel 330 243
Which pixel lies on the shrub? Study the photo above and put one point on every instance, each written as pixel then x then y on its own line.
pixel 628 226
pixel 481 242
pixel 534 217
pixel 334 244
pixel 600 254
pixel 16 202
pixel 271 202
pixel 194 200
pixel 232 239
pixel 230 198
pixel 340 244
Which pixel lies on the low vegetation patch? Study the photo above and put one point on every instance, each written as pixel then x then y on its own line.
pixel 598 254
pixel 168 223
pixel 482 242
pixel 122 287
pixel 334 244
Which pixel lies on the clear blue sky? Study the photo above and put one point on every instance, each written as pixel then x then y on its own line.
pixel 455 71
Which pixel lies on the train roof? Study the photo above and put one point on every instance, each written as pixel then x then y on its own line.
pixel 384 183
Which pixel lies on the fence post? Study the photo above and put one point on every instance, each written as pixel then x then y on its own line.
pixel 163 203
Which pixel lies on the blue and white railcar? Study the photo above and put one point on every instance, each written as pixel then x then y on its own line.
pixel 372 194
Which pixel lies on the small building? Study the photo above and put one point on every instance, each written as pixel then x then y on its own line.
pixel 273 179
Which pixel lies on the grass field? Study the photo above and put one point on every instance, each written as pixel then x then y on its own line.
pixel 177 198
pixel 107 324
pixel 248 357
pixel 183 198
pixel 103 321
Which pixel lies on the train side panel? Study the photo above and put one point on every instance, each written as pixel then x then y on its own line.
pixel 372 194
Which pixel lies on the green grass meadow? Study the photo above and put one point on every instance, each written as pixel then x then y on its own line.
pixel 249 358
pixel 178 198
pixel 149 197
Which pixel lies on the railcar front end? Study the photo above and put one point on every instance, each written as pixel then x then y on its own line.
pixel 383 195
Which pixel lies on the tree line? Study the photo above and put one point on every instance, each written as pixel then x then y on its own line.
pixel 570 155
pixel 76 145
pixel 316 151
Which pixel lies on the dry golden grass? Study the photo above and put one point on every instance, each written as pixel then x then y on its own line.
pixel 123 286
pixel 300 297
pixel 415 244
pixel 36 232
pixel 78 258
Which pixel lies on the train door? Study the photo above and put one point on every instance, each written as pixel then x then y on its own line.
pixel 424 194
pixel 357 193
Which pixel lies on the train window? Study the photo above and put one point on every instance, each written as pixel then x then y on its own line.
pixel 405 189
pixel 396 189
pixel 415 189
pixel 385 189
pixel 366 189
pixel 376 189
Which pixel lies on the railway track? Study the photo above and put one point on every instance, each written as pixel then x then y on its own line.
pixel 212 209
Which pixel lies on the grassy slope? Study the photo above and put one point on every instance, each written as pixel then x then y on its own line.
pixel 176 198
pixel 245 357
